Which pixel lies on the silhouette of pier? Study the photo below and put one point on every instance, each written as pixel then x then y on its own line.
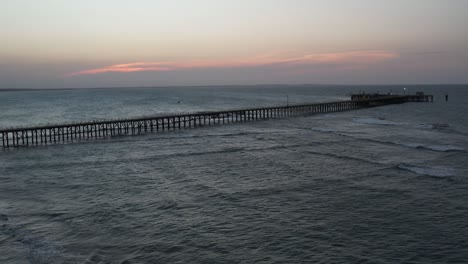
pixel 73 132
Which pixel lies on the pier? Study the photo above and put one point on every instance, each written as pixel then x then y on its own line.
pixel 73 132
pixel 418 97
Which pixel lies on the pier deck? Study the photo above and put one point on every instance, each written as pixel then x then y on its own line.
pixel 62 133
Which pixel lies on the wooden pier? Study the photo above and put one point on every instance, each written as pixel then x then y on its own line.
pixel 62 133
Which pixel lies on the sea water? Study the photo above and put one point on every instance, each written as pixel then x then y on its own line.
pixel 380 185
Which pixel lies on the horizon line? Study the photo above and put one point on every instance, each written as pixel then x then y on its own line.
pixel 223 85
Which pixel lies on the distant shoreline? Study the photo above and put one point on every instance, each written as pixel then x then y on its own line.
pixel 213 86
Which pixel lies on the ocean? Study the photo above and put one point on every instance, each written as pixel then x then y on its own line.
pixel 378 185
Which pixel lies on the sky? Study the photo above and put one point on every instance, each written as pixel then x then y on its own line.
pixel 133 43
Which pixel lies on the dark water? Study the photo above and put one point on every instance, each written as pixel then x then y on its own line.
pixel 381 185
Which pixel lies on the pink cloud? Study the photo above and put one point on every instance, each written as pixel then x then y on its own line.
pixel 345 58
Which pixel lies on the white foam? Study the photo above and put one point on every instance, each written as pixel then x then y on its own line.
pixel 438 171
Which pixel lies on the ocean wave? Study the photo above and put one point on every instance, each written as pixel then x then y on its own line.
pixel 438 171
pixel 439 148
pixel 345 157
pixel 444 128
pixel 432 147
pixel 375 121
pixel 435 126
pixel 327 130
pixel 194 136
pixel 336 132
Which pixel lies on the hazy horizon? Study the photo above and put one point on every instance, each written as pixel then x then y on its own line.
pixel 87 44
pixel 318 85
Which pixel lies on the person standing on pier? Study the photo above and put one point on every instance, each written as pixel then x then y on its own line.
pixel 446 97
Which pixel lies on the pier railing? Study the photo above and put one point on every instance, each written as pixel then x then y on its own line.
pixel 72 132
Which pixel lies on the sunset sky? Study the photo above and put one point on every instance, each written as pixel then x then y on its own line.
pixel 109 43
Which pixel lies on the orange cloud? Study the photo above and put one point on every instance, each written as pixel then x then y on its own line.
pixel 356 57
